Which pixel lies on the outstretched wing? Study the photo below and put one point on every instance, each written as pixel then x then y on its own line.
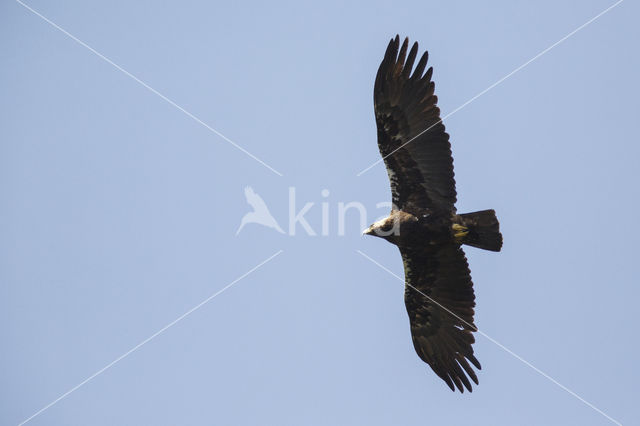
pixel 411 136
pixel 440 301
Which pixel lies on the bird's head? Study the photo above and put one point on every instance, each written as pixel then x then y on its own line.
pixel 392 226
pixel 383 228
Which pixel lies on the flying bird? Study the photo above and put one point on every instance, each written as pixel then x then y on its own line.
pixel 260 214
pixel 423 222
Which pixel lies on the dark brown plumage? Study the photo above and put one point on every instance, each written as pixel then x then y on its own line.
pixel 423 222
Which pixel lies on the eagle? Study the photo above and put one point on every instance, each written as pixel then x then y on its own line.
pixel 423 222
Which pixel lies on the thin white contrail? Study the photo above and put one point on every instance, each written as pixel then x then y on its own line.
pixel 127 73
pixel 147 340
pixel 500 345
pixel 495 84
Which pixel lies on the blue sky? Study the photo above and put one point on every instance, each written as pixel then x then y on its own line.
pixel 119 211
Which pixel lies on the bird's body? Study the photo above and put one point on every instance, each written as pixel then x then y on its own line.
pixel 408 229
pixel 423 222
pixel 434 229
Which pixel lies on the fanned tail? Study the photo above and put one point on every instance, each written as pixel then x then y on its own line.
pixel 483 230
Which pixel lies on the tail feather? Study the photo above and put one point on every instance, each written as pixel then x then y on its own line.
pixel 484 230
